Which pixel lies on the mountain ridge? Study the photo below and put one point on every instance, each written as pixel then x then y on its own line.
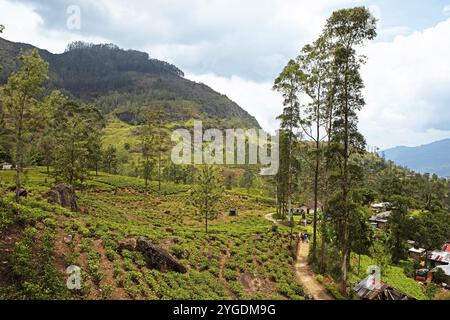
pixel 433 157
pixel 102 73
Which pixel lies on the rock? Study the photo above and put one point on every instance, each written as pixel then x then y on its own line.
pixel 68 238
pixel 64 195
pixel 203 268
pixel 185 254
pixel 158 258
pixel 169 229
pixel 128 244
pixel 176 240
pixel 22 191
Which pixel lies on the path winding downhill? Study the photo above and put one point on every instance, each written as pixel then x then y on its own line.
pixel 304 273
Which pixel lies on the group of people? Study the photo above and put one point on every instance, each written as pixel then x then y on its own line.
pixel 304 237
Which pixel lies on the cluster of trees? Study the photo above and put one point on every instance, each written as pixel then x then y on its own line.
pixel 42 127
pixel 49 130
pixel 153 147
pixel 60 133
pixel 326 75
pixel 323 157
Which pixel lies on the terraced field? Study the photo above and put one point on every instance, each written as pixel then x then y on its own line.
pixel 241 257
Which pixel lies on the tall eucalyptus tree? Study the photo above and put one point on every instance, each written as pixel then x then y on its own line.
pixel 346 30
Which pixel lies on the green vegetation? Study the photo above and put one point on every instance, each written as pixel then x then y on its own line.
pixel 107 134
pixel 324 164
pixel 394 276
pixel 128 82
pixel 240 258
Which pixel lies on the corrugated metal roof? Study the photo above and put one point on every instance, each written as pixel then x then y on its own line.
pixel 419 250
pixel 439 256
pixel 372 288
pixel 446 269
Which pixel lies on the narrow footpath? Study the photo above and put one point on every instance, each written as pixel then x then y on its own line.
pixel 303 272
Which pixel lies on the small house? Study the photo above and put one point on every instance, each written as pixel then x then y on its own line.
pixel 446 247
pixel 416 253
pixel 446 270
pixel 380 207
pixel 309 207
pixel 438 258
pixel 6 166
pixel 380 220
pixel 372 288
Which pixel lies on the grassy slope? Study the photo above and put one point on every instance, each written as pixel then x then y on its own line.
pixel 129 213
pixel 242 259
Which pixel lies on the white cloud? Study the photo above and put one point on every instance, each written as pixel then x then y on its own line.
pixel 446 9
pixel 252 39
pixel 23 24
pixel 226 43
pixel 407 83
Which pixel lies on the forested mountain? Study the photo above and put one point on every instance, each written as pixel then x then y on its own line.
pixel 429 158
pixel 127 79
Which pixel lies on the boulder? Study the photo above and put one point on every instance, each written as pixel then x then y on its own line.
pixel 68 238
pixel 169 229
pixel 158 258
pixel 128 244
pixel 64 195
pixel 22 191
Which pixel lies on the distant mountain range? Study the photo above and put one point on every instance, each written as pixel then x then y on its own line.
pixel 128 82
pixel 429 158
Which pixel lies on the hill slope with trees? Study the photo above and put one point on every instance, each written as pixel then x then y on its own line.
pixel 429 158
pixel 113 78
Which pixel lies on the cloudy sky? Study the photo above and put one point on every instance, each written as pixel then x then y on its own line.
pixel 239 47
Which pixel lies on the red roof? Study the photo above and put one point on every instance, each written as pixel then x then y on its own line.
pixel 446 247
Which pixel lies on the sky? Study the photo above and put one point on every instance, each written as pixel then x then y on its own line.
pixel 239 47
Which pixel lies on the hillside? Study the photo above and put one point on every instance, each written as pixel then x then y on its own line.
pixel 241 258
pixel 429 158
pixel 128 80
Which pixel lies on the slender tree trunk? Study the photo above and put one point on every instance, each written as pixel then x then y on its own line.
pixel 345 191
pixel 316 175
pixel 289 186
pixel 18 168
pixel 159 164
pixel 276 198
pixel 344 259
pixel 206 215
pixel 19 158
pixel 323 246
pixel 359 264
pixel 324 209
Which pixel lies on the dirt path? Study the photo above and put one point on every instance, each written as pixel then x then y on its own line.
pixel 303 272
pixel 269 217
pixel 306 277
